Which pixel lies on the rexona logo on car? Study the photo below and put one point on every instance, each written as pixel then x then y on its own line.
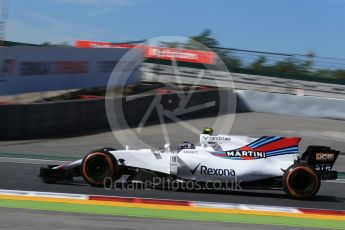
pixel 324 156
pixel 204 170
pixel 192 171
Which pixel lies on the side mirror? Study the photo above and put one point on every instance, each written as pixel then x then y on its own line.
pixel 167 147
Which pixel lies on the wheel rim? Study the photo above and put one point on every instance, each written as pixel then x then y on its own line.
pixel 97 167
pixel 302 182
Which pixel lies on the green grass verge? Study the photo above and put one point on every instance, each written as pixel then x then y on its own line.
pixel 168 214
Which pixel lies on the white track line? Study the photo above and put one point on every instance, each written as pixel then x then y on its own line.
pixel 340 181
pixel 29 161
pixel 44 194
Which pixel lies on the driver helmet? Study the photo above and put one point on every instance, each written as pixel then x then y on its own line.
pixel 208 131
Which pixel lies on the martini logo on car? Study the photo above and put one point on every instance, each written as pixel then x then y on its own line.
pixel 238 154
pixel 242 153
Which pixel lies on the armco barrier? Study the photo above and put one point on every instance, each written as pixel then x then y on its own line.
pixel 305 106
pixel 18 121
pixel 49 119
pixel 165 73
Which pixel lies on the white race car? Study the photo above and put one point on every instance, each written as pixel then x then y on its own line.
pixel 268 162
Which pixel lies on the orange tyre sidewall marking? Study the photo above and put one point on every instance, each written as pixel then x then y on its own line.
pixel 308 170
pixel 95 154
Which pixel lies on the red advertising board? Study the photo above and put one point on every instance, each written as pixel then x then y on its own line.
pixel 184 55
pixel 92 44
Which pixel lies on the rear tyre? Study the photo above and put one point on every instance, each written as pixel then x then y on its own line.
pixel 98 166
pixel 301 181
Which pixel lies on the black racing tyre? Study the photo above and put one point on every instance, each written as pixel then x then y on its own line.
pixel 99 165
pixel 301 181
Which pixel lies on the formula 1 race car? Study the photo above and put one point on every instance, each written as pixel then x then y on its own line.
pixel 268 162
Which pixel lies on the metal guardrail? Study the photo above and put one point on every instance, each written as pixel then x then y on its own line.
pixel 167 74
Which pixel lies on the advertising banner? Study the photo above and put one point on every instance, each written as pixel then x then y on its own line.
pixel 178 54
pixel 94 44
pixel 183 55
pixel 38 69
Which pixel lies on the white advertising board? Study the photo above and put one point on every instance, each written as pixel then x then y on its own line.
pixel 38 69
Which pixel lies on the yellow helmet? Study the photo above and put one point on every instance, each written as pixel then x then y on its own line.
pixel 207 131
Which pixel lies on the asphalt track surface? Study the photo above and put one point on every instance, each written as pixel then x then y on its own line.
pixel 23 176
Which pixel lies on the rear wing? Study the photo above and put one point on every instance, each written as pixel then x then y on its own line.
pixel 322 159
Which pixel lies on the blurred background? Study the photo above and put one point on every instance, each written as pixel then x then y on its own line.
pixel 284 57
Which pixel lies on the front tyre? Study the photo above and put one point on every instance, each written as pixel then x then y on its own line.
pixel 97 166
pixel 301 181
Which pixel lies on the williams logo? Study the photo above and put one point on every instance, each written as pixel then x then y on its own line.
pixel 242 153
